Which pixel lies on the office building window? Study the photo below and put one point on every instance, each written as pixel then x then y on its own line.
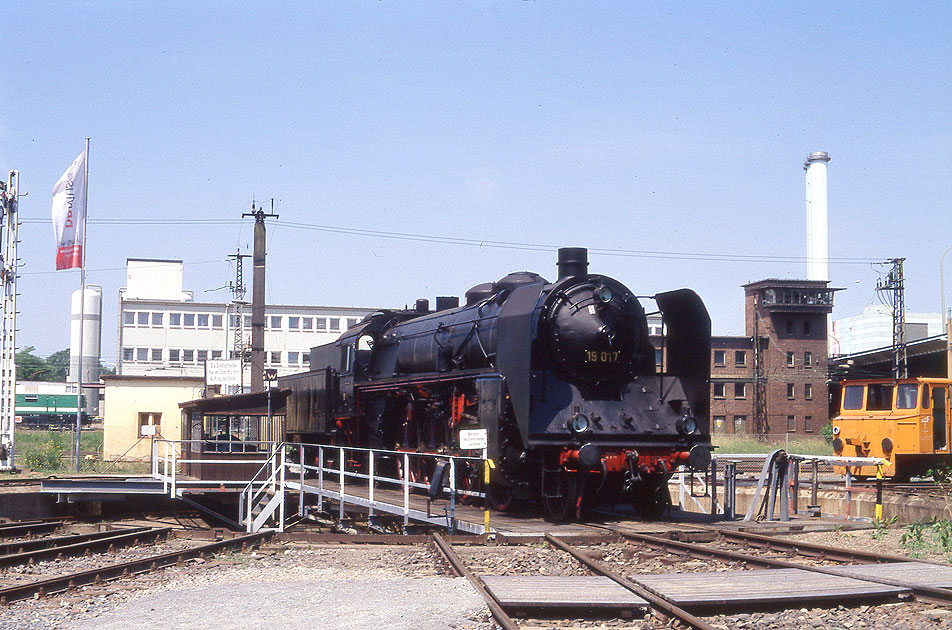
pixel 307 323
pixel 719 422
pixel 808 424
pixel 157 319
pixel 274 322
pixel 740 358
pixel 791 424
pixel 247 321
pixel 719 390
pixel 352 321
pixel 720 357
pixel 216 354
pixel 128 318
pixel 175 355
pixel 188 356
pixel 202 320
pixel 142 354
pixel 175 319
pixel 156 354
pixel 202 356
pixel 322 323
pixel 189 320
pixel 791 390
pixel 233 321
pixel 127 354
pixel 807 359
pixel 293 358
pixel 740 390
pixel 334 323
pixel 294 323
pixel 142 319
pixel 791 362
pixel 808 391
pixel 216 321
pixel 275 358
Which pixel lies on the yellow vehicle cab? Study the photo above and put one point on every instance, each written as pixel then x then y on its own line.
pixel 904 421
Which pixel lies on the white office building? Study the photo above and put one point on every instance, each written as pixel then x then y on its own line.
pixel 164 332
pixel 873 328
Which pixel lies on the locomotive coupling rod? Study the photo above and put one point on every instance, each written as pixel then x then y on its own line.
pixel 456 562
pixel 655 599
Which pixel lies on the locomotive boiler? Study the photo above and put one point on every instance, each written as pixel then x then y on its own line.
pixel 578 404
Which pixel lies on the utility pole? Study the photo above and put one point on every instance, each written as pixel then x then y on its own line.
pixel 238 290
pixel 257 296
pixel 9 222
pixel 894 284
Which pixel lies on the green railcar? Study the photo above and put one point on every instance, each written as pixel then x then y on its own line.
pixel 47 411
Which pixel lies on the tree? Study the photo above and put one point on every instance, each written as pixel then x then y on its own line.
pixel 59 364
pixel 31 367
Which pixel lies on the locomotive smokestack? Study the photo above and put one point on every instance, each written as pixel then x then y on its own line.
pixel 573 261
pixel 422 306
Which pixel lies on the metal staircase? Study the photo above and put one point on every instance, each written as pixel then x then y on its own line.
pixel 261 506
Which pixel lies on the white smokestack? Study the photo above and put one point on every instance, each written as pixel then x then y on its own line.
pixel 818 265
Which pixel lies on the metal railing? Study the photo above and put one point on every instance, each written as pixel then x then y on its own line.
pixel 777 480
pixel 352 476
pixel 270 483
pixel 168 459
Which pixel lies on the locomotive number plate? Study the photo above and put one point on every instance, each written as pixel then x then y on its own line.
pixel 603 356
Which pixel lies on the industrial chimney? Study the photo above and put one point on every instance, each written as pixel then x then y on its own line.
pixel 818 265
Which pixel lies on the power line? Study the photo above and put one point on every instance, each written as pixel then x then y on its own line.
pixel 482 243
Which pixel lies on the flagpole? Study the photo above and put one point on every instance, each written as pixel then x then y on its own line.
pixel 82 309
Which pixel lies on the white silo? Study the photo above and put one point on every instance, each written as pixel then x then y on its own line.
pixel 818 253
pixel 92 336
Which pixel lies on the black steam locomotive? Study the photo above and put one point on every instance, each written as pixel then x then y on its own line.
pixel 561 375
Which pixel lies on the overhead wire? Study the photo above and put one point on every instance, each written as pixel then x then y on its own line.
pixel 472 242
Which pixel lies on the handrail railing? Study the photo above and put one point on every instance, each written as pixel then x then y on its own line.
pixel 356 475
pixel 249 497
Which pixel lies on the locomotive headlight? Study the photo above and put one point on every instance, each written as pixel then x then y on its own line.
pixel 579 423
pixel 687 425
pixel 836 430
pixel 604 295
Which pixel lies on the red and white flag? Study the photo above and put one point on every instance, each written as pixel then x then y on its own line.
pixel 69 214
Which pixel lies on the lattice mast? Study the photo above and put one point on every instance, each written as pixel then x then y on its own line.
pixel 8 276
pixel 894 289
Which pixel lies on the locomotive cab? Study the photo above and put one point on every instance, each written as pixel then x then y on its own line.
pixel 904 421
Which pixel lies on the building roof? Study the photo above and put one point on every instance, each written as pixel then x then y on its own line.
pixel 151 379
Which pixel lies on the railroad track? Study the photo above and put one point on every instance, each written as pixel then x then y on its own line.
pixel 31 552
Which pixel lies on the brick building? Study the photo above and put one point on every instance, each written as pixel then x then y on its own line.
pixel 773 380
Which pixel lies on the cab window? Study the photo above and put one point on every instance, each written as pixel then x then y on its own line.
pixel 907 396
pixel 853 397
pixel 925 397
pixel 879 397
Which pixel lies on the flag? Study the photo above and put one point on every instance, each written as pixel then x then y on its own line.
pixel 69 214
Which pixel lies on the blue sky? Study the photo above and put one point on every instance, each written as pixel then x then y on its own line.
pixel 676 128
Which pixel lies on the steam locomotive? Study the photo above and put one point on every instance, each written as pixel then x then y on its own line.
pixel 562 376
